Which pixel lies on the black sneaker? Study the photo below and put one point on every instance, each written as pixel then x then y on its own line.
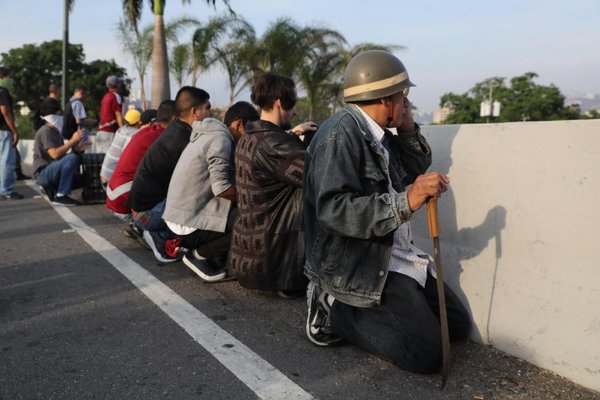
pixel 136 234
pixel 12 196
pixel 318 327
pixel 48 191
pixel 165 250
pixel 65 201
pixel 204 268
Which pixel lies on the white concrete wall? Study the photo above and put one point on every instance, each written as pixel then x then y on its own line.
pixel 520 241
pixel 519 237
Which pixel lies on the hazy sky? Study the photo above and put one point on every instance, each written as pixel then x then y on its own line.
pixel 450 44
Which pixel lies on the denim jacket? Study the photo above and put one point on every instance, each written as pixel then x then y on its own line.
pixel 349 215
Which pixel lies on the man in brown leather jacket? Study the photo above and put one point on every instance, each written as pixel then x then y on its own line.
pixel 267 250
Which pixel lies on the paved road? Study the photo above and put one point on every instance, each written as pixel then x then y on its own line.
pixel 86 313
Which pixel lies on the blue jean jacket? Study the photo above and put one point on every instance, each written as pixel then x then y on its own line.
pixel 349 215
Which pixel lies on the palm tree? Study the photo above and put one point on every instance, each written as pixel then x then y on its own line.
pixel 206 41
pixel 234 56
pixel 160 66
pixel 323 53
pixel 139 47
pixel 280 49
pixel 180 63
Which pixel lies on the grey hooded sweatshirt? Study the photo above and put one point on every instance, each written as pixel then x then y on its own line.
pixel 204 170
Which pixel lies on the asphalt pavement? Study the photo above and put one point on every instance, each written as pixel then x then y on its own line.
pixel 87 313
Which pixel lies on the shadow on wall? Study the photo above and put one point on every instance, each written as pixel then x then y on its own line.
pixel 458 245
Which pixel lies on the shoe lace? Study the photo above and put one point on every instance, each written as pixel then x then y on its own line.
pixel 172 247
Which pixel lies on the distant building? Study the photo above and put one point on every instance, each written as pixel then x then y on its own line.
pixel 441 114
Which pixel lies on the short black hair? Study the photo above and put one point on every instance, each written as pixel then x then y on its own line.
pixel 269 86
pixel 241 110
pixel 80 88
pixel 188 97
pixel 166 111
pixel 53 88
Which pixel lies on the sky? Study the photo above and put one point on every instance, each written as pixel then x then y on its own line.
pixel 449 45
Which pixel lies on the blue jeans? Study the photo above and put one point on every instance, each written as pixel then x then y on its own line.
pixel 62 175
pixel 7 163
pixel 151 220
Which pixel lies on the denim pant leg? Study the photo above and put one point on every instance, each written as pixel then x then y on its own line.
pixel 405 328
pixel 60 174
pixel 151 220
pixel 7 163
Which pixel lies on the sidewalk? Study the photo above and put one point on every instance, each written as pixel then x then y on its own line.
pixel 33 238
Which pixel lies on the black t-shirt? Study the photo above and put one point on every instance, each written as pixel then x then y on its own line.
pixel 5 100
pixel 151 181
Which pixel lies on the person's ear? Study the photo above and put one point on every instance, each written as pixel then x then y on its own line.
pixel 238 126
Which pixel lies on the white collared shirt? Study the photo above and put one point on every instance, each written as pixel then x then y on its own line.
pixel 407 259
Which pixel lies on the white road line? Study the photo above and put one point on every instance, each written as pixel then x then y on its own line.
pixel 260 376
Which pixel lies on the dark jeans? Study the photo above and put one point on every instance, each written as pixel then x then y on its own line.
pixel 62 175
pixel 210 244
pixel 151 220
pixel 405 328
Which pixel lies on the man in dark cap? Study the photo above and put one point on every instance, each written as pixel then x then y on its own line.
pixel 111 117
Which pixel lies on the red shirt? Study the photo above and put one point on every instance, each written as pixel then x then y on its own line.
pixel 111 104
pixel 127 165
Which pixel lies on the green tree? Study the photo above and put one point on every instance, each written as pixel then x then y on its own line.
pixel 323 58
pixel 34 67
pixel 522 100
pixel 160 65
pixel 180 63
pixel 208 39
pixel 138 45
pixel 234 56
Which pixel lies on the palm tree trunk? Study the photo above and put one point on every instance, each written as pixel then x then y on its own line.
pixel 143 92
pixel 160 71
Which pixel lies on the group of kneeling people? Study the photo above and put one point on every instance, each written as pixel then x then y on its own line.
pixel 291 210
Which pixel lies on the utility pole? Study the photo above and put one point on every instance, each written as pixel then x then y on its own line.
pixel 65 46
pixel 489 108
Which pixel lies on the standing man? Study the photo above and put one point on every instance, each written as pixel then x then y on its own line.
pixel 111 118
pixel 267 249
pixel 75 115
pixel 151 182
pixel 9 137
pixel 369 284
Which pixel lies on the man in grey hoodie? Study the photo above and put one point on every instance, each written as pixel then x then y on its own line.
pixel 200 205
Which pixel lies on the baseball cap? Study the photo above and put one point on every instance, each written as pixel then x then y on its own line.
pixel 133 117
pixel 113 80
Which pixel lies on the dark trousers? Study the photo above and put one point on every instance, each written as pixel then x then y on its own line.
pixel 210 244
pixel 405 328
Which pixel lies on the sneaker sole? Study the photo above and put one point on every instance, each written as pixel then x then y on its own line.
pixel 203 276
pixel 309 294
pixel 128 232
pixel 157 254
